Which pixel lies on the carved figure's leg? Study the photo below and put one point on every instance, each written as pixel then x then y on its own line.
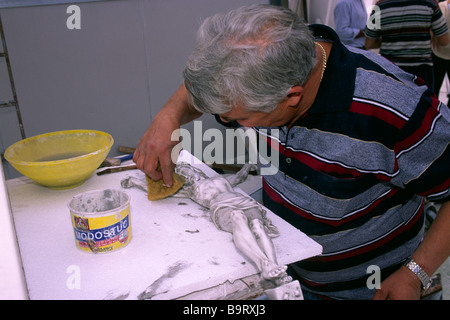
pixel 264 241
pixel 270 268
pixel 255 244
pixel 244 239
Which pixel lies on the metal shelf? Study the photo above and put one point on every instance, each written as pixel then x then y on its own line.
pixel 10 103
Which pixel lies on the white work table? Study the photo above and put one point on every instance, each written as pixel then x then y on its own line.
pixel 175 251
pixel 12 281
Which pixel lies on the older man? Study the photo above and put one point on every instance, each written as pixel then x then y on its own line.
pixel 360 145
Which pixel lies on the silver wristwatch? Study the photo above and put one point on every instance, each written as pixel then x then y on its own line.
pixel 418 271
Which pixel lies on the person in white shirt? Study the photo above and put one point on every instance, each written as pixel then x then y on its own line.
pixel 350 17
pixel 441 54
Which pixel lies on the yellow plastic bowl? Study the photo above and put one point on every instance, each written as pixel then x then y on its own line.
pixel 62 159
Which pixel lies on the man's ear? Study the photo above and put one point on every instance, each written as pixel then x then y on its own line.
pixel 294 96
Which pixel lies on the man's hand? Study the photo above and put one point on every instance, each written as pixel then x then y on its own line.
pixel 401 285
pixel 153 153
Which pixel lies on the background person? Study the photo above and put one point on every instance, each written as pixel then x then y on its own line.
pixel 404 36
pixel 350 17
pixel 441 55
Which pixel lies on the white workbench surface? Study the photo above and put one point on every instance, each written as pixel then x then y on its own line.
pixel 175 249
pixel 12 281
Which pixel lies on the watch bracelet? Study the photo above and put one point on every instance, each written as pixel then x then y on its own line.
pixel 419 272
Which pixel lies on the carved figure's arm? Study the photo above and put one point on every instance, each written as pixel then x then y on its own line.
pixel 241 175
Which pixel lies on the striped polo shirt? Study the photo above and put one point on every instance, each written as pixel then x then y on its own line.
pixel 404 27
pixel 354 170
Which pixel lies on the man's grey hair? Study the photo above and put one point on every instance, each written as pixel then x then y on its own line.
pixel 251 57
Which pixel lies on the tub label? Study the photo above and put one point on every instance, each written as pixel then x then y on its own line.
pixel 103 234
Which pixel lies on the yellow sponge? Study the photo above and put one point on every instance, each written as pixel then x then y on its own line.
pixel 157 190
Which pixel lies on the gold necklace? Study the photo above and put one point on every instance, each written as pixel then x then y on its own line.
pixel 324 57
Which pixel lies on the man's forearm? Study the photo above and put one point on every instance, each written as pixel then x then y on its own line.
pixel 372 43
pixel 435 247
pixel 178 106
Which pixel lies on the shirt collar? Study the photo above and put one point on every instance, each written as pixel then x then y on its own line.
pixel 338 83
